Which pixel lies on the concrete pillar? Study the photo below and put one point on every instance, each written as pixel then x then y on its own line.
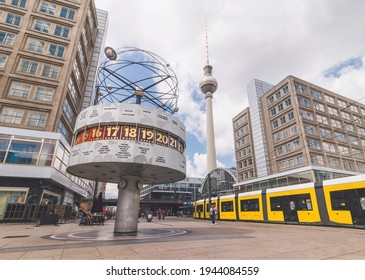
pixel 128 204
pixel 211 156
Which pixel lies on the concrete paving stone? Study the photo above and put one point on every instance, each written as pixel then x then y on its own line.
pixel 201 240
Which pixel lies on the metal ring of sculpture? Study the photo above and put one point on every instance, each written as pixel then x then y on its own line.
pixel 134 72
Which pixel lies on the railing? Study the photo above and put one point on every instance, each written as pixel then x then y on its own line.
pixel 26 213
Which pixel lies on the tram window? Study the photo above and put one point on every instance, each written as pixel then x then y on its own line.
pixel 250 205
pixel 227 206
pixel 338 200
pixel 275 203
pixel 362 203
pixel 303 201
pixel 292 205
pixel 199 208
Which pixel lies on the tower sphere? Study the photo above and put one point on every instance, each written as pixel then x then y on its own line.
pixel 208 84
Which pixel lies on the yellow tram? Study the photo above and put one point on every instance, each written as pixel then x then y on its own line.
pixel 338 202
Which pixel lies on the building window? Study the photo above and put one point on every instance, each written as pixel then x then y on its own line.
pixel 90 17
pixel 7 38
pixel 358 121
pixel 67 13
pixel 343 150
pixel 349 127
pixel 304 101
pixel 282 120
pixel 356 153
pixel 50 71
pixel 28 66
pixel 41 25
pixel 271 99
pixel 314 144
pixel 273 111
pixel 310 129
pixel 336 123
pixel 341 103
pixel 286 89
pixel 300 89
pixel 353 140
pixel 11 115
pixel 361 167
pixel 77 73
pixel 316 159
pixel 325 133
pixel 13 19
pixel 318 106
pixel 279 151
pixel 288 102
pixel 361 131
pixel 299 159
pixel 328 147
pixel 35 45
pixel 333 111
pixel 291 116
pixel 47 8
pixel 64 131
pixel 56 50
pixel 296 145
pixel 354 109
pixel 315 94
pixel 62 31
pixel 19 3
pixel 306 115
pixel 37 119
pixel 73 93
pixel 43 94
pixel 333 162
pixel 340 137
pixel 68 111
pixel 3 59
pixel 20 90
pixel 275 124
pixel 329 99
pixel 81 54
pixel 345 115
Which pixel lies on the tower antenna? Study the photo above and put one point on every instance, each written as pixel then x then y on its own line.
pixel 206 42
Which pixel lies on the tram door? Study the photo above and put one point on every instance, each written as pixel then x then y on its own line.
pixel 356 201
pixel 290 209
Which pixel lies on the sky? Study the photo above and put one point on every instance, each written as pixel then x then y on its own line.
pixel 322 42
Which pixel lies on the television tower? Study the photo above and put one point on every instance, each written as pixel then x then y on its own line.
pixel 208 85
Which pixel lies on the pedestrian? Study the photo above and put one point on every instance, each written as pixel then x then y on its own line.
pixel 216 214
pixel 212 213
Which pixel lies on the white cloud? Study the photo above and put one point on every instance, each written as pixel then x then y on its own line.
pixel 197 166
pixel 264 39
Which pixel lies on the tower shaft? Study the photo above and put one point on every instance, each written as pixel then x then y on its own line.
pixel 211 155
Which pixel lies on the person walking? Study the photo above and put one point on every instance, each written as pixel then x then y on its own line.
pixel 212 214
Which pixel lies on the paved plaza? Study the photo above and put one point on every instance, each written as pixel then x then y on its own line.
pixel 180 238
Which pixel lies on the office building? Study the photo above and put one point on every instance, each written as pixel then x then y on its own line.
pixel 49 53
pixel 297 132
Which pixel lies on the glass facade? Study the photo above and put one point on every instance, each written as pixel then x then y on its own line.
pixel 46 152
